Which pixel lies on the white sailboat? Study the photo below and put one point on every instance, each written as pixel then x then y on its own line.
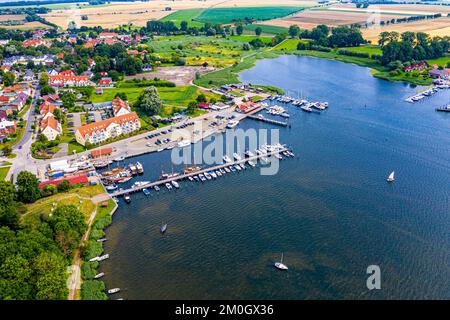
pixel 391 177
pixel 280 265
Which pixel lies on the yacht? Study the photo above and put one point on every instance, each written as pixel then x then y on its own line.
pixel 251 163
pixel 227 170
pixel 222 171
pixel 183 143
pixel 227 159
pixel 168 186
pixel 111 187
pixel 237 157
pixel 237 167
pixel 175 184
pixel 242 165
pixel 232 123
pixel 232 169
pixel 196 178
pixel 139 168
pixel 191 179
pixel 249 154
pixel 306 108
pixel 280 265
pixel 207 176
pixel 213 174
pixel 202 177
pixel 218 173
pixel 118 159
pixel 127 198
pixel 278 156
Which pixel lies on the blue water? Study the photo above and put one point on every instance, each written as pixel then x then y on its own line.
pixel 329 210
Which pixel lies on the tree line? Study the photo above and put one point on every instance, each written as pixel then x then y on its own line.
pixel 410 46
pixel 35 248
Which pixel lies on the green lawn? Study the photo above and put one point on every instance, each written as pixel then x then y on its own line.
pixel 272 30
pixel 366 49
pixel 3 172
pixel 228 15
pixel 185 15
pixel 248 38
pixel 443 62
pixel 289 44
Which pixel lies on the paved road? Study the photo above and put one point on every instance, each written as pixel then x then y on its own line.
pixel 30 119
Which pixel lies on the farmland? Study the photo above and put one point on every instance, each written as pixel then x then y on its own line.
pixel 138 13
pixel 308 19
pixel 184 15
pixel 434 27
pixel 266 29
pixel 229 15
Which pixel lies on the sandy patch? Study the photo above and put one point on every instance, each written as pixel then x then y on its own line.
pixel 181 76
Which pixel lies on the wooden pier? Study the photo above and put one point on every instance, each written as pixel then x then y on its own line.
pixel 264 119
pixel 185 176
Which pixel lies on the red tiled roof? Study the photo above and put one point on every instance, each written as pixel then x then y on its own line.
pixel 101 152
pixel 72 180
pixel 49 122
pixel 90 128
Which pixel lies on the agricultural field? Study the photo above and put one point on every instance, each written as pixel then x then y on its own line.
pixel 11 17
pixel 180 75
pixel 401 9
pixel 229 15
pixel 185 15
pixel 248 38
pixel 266 29
pixel 366 49
pixel 289 44
pixel 138 13
pixel 308 19
pixel 434 27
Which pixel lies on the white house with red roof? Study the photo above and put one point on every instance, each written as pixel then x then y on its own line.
pixel 51 128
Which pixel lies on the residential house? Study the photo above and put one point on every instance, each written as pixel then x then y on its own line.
pixel 51 128
pixel 120 107
pixel 52 98
pixel 5 111
pixel 69 79
pixel 107 35
pixel 247 107
pixel 46 110
pixel 29 76
pixel 105 82
pixel 7 126
pixel 416 66
pixel 98 132
pixel 36 43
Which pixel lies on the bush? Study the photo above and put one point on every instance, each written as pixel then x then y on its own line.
pixel 354 54
pixel 93 290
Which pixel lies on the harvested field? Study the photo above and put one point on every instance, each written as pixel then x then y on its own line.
pixel 434 27
pixel 11 17
pixel 181 76
pixel 405 9
pixel 27 26
pixel 116 14
pixel 310 18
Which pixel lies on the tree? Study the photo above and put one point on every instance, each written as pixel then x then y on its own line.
pixel 294 31
pixel 8 209
pixel 63 186
pixel 383 38
pixel 121 95
pixel 8 79
pixel 68 100
pixel 258 31
pixel 201 98
pixel 7 150
pixel 192 106
pixel 46 89
pixel 183 25
pixel 149 101
pixel 50 271
pixel 239 29
pixel 27 187
pixel 409 37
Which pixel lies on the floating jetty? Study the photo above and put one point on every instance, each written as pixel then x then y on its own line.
pixel 260 117
pixel 149 185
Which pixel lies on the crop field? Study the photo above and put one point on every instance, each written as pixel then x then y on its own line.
pixel 248 38
pixel 402 9
pixel 266 29
pixel 288 44
pixel 187 15
pixel 434 27
pixel 138 13
pixel 11 17
pixel 308 19
pixel 229 15
pixel 27 26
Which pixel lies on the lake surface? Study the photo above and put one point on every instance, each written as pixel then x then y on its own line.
pixel 329 209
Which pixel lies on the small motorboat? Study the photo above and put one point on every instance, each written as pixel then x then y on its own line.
pixel 127 198
pixel 227 170
pixel 168 186
pixel 98 276
pixel 115 290
pixel 146 191
pixel 175 184
pixel 191 179
pixel 163 228
pixel 111 187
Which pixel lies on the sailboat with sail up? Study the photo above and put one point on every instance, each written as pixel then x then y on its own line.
pixel 391 177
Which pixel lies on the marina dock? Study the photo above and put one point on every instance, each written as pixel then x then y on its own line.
pixel 185 176
pixel 264 119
